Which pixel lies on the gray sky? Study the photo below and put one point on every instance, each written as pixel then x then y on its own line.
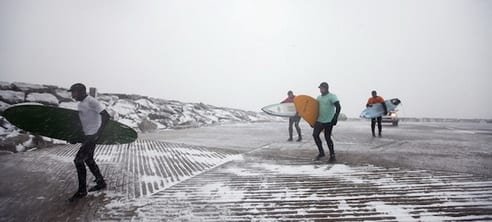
pixel 436 56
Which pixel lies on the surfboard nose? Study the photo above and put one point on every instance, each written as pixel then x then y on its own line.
pixel 395 101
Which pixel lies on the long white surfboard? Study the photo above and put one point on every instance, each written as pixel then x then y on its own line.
pixel 281 109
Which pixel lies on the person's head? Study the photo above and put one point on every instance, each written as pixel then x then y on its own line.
pixel 290 94
pixel 374 93
pixel 323 88
pixel 78 91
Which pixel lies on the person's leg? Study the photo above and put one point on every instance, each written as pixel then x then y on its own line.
pixel 79 160
pixel 328 130
pixel 298 129
pixel 318 127
pixel 94 168
pixel 380 126
pixel 291 122
pixel 373 127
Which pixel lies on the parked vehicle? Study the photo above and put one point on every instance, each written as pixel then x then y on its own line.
pixel 392 118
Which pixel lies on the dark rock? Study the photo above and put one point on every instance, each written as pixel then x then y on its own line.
pixel 11 143
pixel 147 126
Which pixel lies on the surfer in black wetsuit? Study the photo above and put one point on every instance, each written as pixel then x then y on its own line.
pixel 293 120
pixel 329 110
pixel 93 118
pixel 374 99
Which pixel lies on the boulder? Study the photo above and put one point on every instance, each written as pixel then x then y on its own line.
pixel 43 98
pixel 147 126
pixel 12 97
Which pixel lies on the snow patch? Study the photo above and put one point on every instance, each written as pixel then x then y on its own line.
pixel 222 193
pixel 399 212
pixel 42 98
pixel 20 148
pixel 309 170
pixel 342 205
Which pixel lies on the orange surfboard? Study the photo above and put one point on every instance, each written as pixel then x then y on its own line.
pixel 307 107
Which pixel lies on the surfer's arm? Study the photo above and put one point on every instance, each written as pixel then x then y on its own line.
pixel 104 120
pixel 385 108
pixel 338 108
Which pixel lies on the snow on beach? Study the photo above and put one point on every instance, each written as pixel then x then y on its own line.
pixel 238 189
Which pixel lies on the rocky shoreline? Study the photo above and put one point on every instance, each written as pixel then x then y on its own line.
pixel 144 114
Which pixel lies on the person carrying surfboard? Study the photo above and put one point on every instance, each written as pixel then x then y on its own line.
pixel 329 109
pixel 375 99
pixel 93 118
pixel 293 120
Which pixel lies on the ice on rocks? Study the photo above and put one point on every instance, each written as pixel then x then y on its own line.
pixel 12 97
pixel 44 98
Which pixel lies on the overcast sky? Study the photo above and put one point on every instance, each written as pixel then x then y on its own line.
pixel 436 56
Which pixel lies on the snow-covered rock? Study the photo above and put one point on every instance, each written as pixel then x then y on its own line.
pixel 5 85
pixel 3 106
pixel 63 95
pixel 145 103
pixel 28 86
pixel 12 97
pixel 44 98
pixel 124 108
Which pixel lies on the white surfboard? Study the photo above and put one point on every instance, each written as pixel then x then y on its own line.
pixel 377 109
pixel 281 109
